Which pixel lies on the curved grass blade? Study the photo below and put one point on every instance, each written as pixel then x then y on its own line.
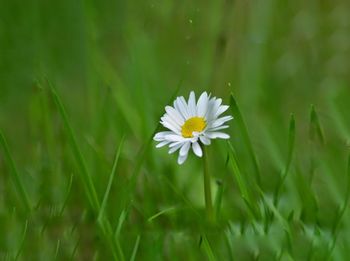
pixel 14 174
pixel 164 211
pixel 291 145
pixel 244 132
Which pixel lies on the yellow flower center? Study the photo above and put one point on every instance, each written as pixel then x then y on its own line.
pixel 196 124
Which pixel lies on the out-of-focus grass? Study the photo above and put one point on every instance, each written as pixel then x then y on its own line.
pixel 283 184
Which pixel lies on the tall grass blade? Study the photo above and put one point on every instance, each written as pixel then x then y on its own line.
pixel 245 136
pixel 85 176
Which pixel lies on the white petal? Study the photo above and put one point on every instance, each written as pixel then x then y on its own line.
pixel 192 104
pixel 197 149
pixel 213 106
pixel 175 144
pixel 174 137
pixel 163 143
pixel 205 140
pixel 175 115
pixel 221 110
pixel 174 147
pixel 214 135
pixel 161 135
pixel 185 148
pixel 218 128
pixel 216 106
pixel 182 104
pixel 167 118
pixel 168 125
pixel 181 159
pixel 220 121
pixel 202 104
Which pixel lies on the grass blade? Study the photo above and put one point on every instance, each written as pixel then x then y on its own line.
pixel 242 183
pixel 85 176
pixel 341 212
pixel 144 149
pixel 244 133
pixel 218 199
pixel 315 126
pixel 14 174
pixel 291 145
pixel 22 240
pixel 111 178
pixel 136 247
pixel 207 249
pixel 67 195
pixel 164 211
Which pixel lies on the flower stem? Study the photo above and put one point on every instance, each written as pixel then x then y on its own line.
pixel 207 188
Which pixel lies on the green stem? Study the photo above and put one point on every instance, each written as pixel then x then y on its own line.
pixel 207 188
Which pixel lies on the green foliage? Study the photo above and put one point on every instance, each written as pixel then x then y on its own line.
pixel 83 86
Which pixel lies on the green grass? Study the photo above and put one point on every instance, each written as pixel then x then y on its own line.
pixel 83 85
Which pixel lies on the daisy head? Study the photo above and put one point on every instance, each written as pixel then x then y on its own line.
pixel 192 124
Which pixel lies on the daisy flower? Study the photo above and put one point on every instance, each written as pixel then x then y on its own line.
pixel 192 124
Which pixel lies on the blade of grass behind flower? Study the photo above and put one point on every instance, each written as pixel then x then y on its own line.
pixel 245 136
pixel 14 174
pixel 141 156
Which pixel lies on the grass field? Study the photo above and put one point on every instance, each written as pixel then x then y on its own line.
pixel 83 85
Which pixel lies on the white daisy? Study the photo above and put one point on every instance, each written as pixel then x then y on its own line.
pixel 192 123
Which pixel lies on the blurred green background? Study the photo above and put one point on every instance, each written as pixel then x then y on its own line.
pixel 115 65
